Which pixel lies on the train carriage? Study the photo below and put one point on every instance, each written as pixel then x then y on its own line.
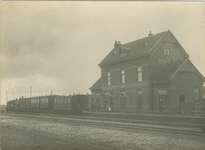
pixel 52 103
pixel 35 103
pixel 24 104
pixel 79 103
pixel 62 103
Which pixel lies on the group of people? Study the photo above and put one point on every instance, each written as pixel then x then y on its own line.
pixel 102 105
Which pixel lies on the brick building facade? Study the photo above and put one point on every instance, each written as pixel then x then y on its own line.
pixel 152 74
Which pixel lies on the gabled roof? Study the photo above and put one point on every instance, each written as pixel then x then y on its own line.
pixel 169 71
pixel 137 48
pixel 134 49
pixel 96 85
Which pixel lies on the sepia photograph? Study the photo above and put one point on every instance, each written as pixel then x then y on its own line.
pixel 102 75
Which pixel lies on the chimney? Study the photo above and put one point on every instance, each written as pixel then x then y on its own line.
pixel 150 33
pixel 117 44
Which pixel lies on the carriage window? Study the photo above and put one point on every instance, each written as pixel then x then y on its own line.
pixel 68 100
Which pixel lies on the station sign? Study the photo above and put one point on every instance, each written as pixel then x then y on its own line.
pixel 162 92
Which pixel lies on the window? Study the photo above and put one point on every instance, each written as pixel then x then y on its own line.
pixel 166 51
pixel 108 78
pixel 123 76
pixel 33 101
pixel 196 94
pixel 55 101
pixel 68 100
pixel 139 74
pixel 123 94
pixel 139 92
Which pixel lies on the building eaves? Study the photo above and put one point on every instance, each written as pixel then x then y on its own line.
pixel 96 85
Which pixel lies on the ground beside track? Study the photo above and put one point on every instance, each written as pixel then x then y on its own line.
pixel 19 133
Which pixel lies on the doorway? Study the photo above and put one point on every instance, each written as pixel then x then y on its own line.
pixel 123 103
pixel 139 100
pixel 139 103
pixel 160 103
pixel 181 99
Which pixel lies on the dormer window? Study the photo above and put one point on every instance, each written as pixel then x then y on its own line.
pixel 166 50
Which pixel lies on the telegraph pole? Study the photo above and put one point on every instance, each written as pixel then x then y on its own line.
pixel 6 97
pixel 30 91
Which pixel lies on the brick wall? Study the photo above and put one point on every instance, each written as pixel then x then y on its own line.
pixel 183 84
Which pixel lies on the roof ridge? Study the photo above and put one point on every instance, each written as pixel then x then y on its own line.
pixel 145 37
pixel 158 41
pixel 136 48
pixel 178 69
pixel 196 69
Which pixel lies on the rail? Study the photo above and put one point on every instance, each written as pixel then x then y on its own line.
pixel 122 125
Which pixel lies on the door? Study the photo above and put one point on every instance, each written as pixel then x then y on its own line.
pixel 160 103
pixel 123 100
pixel 123 103
pixel 139 103
pixel 181 99
pixel 139 100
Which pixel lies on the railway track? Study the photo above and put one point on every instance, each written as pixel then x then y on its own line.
pixel 188 129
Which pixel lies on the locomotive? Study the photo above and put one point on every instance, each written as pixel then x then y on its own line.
pixel 74 104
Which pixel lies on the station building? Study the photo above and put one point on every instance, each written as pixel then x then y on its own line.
pixel 152 74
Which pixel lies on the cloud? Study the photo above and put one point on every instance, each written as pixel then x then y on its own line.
pixel 58 45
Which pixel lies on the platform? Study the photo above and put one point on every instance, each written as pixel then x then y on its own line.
pixel 149 116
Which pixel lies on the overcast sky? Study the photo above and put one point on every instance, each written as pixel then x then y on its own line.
pixel 57 46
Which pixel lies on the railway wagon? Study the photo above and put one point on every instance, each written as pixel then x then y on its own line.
pixel 47 102
pixel 62 103
pixel 35 103
pixel 79 103
pixel 24 104
pixel 12 105
pixel 42 103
